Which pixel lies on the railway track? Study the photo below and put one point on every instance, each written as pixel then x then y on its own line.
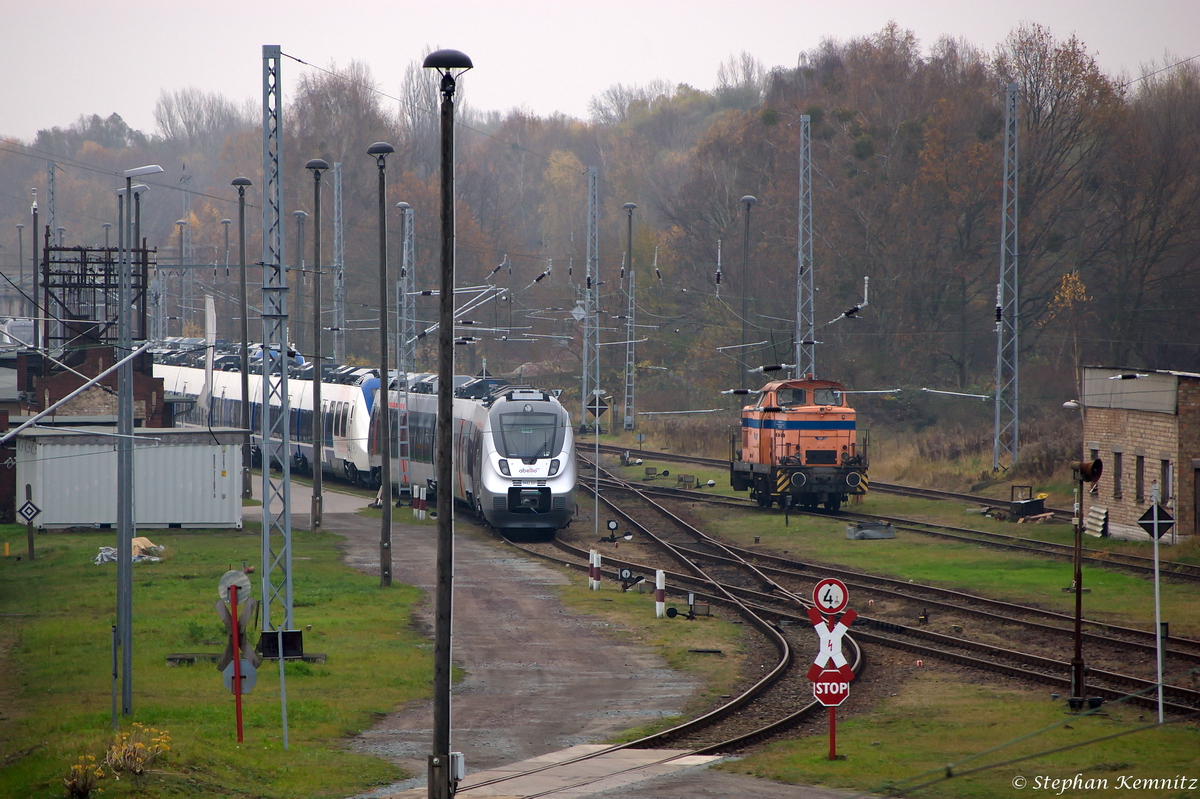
pixel 766 591
pixel 884 488
pixel 1091 555
pixel 957 648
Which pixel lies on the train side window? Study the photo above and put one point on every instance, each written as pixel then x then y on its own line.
pixel 788 397
pixel 827 396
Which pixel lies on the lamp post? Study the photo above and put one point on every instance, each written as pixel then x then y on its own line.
pixel 317 166
pixel 748 200
pixel 298 309
pixel 125 519
pixel 241 184
pixel 381 150
pixel 450 64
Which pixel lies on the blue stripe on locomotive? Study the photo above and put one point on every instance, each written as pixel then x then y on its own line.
pixel 780 424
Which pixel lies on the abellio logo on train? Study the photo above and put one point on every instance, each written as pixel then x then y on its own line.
pixel 527 471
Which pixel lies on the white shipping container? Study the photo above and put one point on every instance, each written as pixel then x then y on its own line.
pixel 183 477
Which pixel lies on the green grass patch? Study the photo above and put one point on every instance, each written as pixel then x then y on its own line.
pixel 936 720
pixel 55 653
pixel 1115 596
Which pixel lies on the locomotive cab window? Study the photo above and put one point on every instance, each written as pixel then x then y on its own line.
pixel 827 396
pixel 528 435
pixel 790 397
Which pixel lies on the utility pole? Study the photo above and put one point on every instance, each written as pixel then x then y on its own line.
pixel 748 200
pixel 1008 309
pixel 225 283
pixel 406 340
pixel 186 275
pixel 298 309
pixel 630 327
pixel 591 300
pixel 381 150
pixel 241 183
pixel 339 273
pixel 806 347
pixel 316 513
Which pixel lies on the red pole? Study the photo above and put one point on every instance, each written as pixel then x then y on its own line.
pixel 237 661
pixel 833 733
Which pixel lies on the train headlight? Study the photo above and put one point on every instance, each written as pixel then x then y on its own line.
pixel 554 464
pixel 504 468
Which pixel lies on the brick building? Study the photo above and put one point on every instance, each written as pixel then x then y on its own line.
pixel 1145 426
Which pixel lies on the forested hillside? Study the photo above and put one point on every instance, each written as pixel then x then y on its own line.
pixel 907 169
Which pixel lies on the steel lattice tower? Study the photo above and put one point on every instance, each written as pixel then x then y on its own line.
pixel 406 340
pixel 1008 312
pixel 630 352
pixel 276 494
pixel 591 295
pixel 339 270
pixel 806 347
pixel 187 274
pixel 51 202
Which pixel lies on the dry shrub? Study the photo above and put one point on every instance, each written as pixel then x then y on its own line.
pixel 134 751
pixel 706 436
pixel 953 442
pixel 83 777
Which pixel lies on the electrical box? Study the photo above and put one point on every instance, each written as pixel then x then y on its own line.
pixel 458 767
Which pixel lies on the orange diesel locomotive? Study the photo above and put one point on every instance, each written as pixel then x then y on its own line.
pixel 799 446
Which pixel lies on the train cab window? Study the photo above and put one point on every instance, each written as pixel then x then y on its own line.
pixel 827 396
pixel 790 397
pixel 529 435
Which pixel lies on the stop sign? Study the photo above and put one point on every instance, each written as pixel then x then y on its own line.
pixel 830 688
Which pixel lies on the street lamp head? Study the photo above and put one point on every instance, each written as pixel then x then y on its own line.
pixel 301 215
pixel 241 183
pixel 450 64
pixel 445 60
pixel 629 206
pixel 317 165
pixel 226 222
pixel 749 200
pixel 403 206
pixel 381 150
pixel 151 169
pixel 1072 405
pixel 22 227
pixel 181 222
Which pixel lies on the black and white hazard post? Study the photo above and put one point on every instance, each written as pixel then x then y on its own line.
pixel 830 672
pixel 1157 522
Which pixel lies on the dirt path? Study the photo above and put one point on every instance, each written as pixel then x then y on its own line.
pixel 537 679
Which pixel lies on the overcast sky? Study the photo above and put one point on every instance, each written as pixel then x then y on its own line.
pixel 63 58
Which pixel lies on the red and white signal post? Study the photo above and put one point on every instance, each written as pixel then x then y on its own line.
pixel 830 672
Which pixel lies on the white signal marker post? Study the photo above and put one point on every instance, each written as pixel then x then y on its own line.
pixel 831 686
pixel 660 594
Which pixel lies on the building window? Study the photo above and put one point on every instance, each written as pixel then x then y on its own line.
pixel 1165 481
pixel 1139 478
pixel 1116 475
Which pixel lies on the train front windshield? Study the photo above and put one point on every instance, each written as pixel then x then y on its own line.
pixel 528 435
